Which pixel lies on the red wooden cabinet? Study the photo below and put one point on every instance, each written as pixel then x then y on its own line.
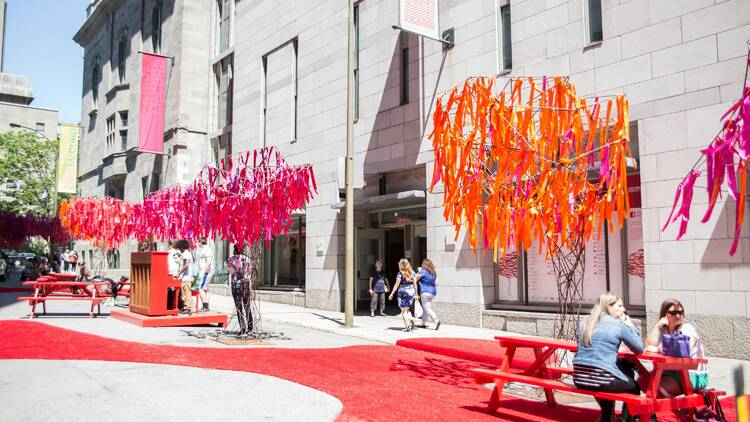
pixel 149 284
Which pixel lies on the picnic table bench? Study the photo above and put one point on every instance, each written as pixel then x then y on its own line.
pixel 542 373
pixel 46 290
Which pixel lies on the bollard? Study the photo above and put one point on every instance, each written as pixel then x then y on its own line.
pixel 741 402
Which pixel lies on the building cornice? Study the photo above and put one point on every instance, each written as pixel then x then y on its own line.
pixel 93 23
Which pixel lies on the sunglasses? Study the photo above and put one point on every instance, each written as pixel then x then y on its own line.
pixel 676 313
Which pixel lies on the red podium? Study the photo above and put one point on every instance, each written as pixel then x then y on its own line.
pixel 149 284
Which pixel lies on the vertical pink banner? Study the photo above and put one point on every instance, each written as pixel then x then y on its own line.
pixel 151 114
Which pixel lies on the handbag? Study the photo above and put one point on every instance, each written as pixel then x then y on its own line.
pixel 418 309
pixel 675 345
pixel 712 412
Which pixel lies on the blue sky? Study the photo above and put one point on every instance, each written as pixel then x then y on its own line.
pixel 39 44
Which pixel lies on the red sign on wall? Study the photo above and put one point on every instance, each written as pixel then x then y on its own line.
pixel 151 113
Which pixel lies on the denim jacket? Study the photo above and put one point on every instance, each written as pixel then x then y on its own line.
pixel 605 343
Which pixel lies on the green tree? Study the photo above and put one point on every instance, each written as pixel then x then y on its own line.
pixel 27 172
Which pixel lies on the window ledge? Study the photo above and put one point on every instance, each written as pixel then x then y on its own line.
pixel 280 290
pixel 118 87
pixel 505 72
pixel 590 46
pixel 219 132
pixel 226 53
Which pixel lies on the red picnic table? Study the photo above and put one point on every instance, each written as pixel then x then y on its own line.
pixel 542 372
pixel 61 276
pixel 46 289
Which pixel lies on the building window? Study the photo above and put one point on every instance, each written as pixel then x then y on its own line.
pixel 39 127
pixel 278 94
pixel 356 62
pixel 123 120
pixel 123 140
pixel 592 10
pixel 295 54
pixel 615 262
pixel 116 188
pixel 96 78
pixel 121 56
pixel 284 261
pixel 110 132
pixel 404 68
pixel 504 42
pixel 156 23
pixel 222 147
pixel 144 186
pixel 224 84
pixel 263 100
pixel 225 24
pixel 111 41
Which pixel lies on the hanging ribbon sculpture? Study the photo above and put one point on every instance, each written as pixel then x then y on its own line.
pixel 517 164
pixel 16 229
pixel 732 142
pixel 243 201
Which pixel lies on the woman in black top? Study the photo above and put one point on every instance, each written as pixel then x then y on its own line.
pixel 378 288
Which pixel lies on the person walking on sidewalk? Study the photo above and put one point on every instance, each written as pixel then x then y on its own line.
pixel 427 280
pixel 406 287
pixel 239 268
pixel 187 276
pixel 378 289
pixel 206 271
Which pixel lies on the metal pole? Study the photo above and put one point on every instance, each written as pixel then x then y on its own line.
pixel 349 251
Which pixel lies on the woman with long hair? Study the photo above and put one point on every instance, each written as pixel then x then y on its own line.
pixel 406 287
pixel 427 279
pixel 596 365
pixel 671 320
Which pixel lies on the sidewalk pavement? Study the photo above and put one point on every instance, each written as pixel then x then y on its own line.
pixel 388 329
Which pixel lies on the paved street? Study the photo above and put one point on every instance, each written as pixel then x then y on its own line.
pixel 66 388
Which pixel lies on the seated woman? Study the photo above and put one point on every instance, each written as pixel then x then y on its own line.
pixel 596 365
pixel 672 319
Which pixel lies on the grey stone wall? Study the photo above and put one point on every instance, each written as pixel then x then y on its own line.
pixel 185 37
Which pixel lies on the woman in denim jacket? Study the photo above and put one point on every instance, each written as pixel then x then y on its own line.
pixel 596 365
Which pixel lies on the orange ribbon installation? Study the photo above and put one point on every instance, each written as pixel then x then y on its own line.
pixel 531 162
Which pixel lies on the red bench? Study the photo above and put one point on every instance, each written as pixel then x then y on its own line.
pixel 65 291
pixel 540 374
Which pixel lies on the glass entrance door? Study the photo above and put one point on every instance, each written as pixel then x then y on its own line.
pixel 369 247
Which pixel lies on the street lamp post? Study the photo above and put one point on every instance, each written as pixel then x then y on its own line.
pixel 54 181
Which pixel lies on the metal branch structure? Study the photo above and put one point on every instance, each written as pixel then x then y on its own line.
pixel 532 162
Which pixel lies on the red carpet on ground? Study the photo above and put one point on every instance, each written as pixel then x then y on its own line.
pixel 367 379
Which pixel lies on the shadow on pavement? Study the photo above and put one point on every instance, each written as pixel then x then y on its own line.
pixel 336 320
pixel 455 373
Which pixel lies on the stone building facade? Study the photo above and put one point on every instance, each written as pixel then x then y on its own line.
pixel 274 74
pixel 679 63
pixel 113 35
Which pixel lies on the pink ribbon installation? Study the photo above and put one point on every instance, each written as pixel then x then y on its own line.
pixel 245 201
pixel 733 141
pixel 16 229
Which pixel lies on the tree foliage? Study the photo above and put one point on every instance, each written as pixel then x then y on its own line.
pixel 27 172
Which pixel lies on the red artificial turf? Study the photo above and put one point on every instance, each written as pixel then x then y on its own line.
pixel 475 350
pixel 373 382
